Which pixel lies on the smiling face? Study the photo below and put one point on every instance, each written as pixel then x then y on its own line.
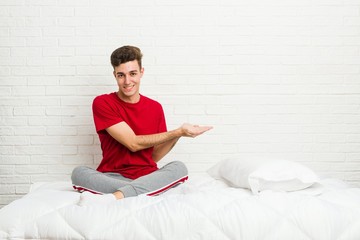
pixel 128 76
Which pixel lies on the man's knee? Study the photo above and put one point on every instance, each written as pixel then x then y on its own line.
pixel 180 168
pixel 78 174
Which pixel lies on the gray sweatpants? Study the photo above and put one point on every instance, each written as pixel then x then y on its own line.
pixel 170 175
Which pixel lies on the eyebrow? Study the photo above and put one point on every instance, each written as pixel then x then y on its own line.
pixel 132 71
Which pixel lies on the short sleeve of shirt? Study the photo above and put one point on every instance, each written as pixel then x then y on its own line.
pixel 104 114
pixel 162 122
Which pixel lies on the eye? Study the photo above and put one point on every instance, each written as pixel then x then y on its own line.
pixel 120 75
pixel 133 74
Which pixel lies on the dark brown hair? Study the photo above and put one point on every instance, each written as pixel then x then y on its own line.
pixel 126 54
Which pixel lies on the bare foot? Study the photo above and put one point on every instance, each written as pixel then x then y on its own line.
pixel 118 195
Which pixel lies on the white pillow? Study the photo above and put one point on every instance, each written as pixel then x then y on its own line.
pixel 259 175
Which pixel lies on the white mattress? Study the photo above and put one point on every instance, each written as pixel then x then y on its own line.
pixel 202 208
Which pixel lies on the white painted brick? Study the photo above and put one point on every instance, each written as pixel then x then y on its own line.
pixel 7 189
pixel 83 150
pixel 45 140
pixel 12 61
pixel 50 11
pixel 352 21
pixel 49 177
pixel 73 41
pixel 77 101
pixel 14 160
pixel 97 34
pixel 87 130
pixel 7 170
pixel 98 51
pixel 24 11
pixel 62 131
pixel 44 101
pixel 42 61
pixel 25 51
pixel 13 121
pixel 14 179
pixel 61 91
pixel 22 189
pixel 29 111
pixel 93 11
pixel 97 159
pixel 40 21
pixel 77 60
pixel 42 121
pixel 30 131
pixel 70 3
pixel 78 160
pixel 4 71
pixel 28 91
pixel 62 150
pixel 42 41
pixel 31 169
pixel 5 91
pixel 6 110
pixel 353 138
pixel 63 169
pixel 94 91
pixel 46 159
pixel 6 131
pixel 14 140
pixel 61 111
pixel 58 31
pixel 58 51
pixel 85 110
pixel 5 52
pixel 59 70
pixel 21 71
pixel 25 31
pixel 92 70
pixel 79 140
pixel 353 157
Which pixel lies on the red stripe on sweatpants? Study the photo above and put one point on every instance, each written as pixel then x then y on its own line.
pixel 82 189
pixel 161 190
pixel 154 193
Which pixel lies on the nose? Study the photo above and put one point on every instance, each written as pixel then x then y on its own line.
pixel 126 79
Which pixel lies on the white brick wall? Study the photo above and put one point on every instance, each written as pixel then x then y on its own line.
pixel 276 78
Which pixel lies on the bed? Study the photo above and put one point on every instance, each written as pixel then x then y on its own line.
pixel 211 205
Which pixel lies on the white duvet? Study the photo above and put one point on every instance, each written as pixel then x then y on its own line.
pixel 202 208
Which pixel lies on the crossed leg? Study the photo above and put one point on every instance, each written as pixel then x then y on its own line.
pixel 112 184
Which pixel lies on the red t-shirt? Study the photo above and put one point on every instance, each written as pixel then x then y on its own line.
pixel 143 117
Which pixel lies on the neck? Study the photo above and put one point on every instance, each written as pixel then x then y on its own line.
pixel 132 99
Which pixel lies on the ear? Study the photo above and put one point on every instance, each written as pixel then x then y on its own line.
pixel 114 73
pixel 142 71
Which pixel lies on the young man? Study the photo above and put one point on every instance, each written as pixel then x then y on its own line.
pixel 134 137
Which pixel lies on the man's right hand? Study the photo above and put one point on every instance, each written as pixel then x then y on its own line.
pixel 190 130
